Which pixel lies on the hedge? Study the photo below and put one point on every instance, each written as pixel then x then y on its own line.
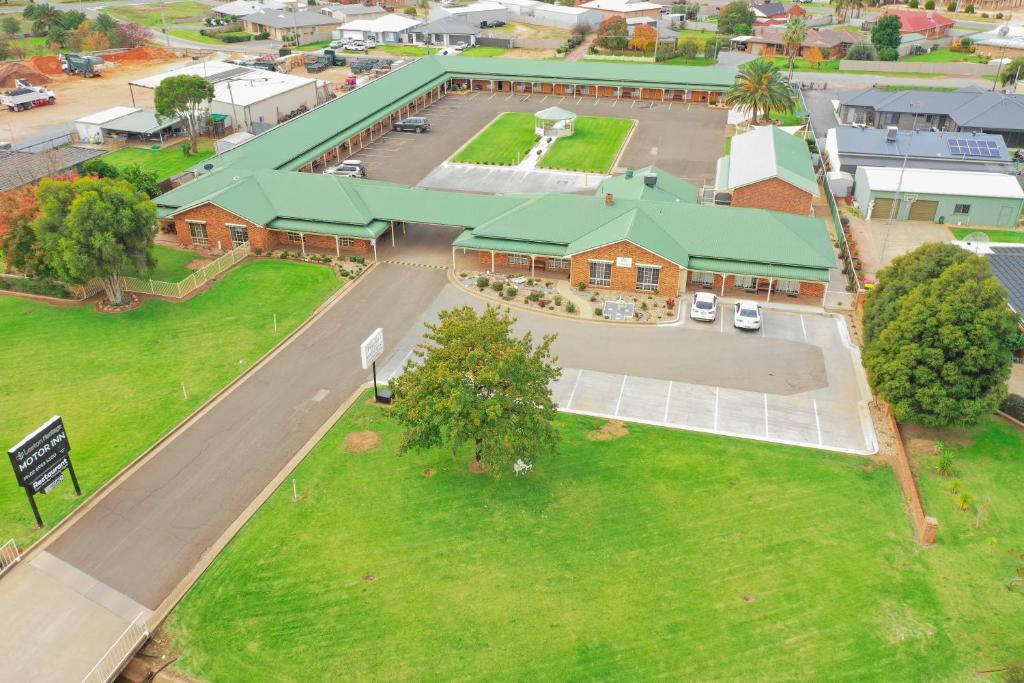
pixel 30 286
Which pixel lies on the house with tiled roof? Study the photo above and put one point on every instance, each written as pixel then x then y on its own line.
pixel 926 22
pixel 770 41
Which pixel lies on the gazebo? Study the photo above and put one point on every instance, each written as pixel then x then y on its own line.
pixel 554 122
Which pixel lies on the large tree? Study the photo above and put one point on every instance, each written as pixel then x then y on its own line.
pixel 886 32
pixel 95 228
pixel 612 34
pixel 187 98
pixel 760 89
pixel 793 38
pixel 734 17
pixel 474 382
pixel 645 39
pixel 899 278
pixel 945 360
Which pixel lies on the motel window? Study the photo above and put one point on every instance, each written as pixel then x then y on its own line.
pixel 518 260
pixel 198 232
pixel 745 281
pixel 346 242
pixel 583 89
pixel 787 286
pixel 558 264
pixel 294 237
pixel 647 278
pixel 239 235
pixel 961 209
pixel 601 273
pixel 704 278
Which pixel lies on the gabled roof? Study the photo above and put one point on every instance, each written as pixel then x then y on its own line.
pixel 815 37
pixel 667 188
pixel 395 23
pixel 922 143
pixel 1008 267
pixel 277 18
pixel 931 181
pixel 765 153
pixel 916 21
pixel 620 5
pixel 969 107
pixel 769 9
pixel 447 25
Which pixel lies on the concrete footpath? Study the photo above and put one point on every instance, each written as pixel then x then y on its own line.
pixel 129 551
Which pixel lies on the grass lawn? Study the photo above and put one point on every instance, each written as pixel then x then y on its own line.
pixel 503 143
pixel 194 36
pixel 658 555
pixel 593 148
pixel 689 61
pixel 943 55
pixel 149 15
pixel 311 47
pixel 165 162
pixel 34 46
pixel 802 64
pixel 171 264
pixel 937 88
pixel 994 235
pixel 484 51
pixel 116 379
pixel 399 50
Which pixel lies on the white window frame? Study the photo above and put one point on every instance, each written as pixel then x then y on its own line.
pixel 704 278
pixel 599 282
pixel 647 284
pixel 232 227
pixel 961 213
pixel 294 236
pixel 518 260
pixel 558 264
pixel 347 242
pixel 192 230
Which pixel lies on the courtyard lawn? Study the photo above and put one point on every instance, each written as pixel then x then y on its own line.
pixel 658 555
pixel 502 143
pixel 116 379
pixel 166 162
pixel 171 263
pixel 994 235
pixel 150 15
pixel 593 148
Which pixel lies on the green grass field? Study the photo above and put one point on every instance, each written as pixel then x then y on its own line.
pixel 484 51
pixel 401 50
pixel 593 148
pixel 503 142
pixel 149 15
pixel 165 162
pixel 193 35
pixel 944 55
pixel 994 235
pixel 312 47
pixel 802 64
pixel 661 554
pixel 116 379
pixel 171 264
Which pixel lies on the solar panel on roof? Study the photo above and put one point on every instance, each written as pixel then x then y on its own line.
pixel 974 148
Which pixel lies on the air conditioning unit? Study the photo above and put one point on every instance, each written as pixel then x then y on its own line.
pixel 890 133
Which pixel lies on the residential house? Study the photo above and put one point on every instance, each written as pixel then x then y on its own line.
pixel 768 168
pixel 926 22
pixel 560 16
pixel 310 26
pixel 242 8
pixel 996 45
pixel 969 109
pixel 445 31
pixel 473 14
pixel 769 10
pixel 352 12
pixel 390 28
pixel 832 44
pixel 626 9
pixel 19 168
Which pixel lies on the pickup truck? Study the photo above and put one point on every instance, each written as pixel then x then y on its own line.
pixel 25 96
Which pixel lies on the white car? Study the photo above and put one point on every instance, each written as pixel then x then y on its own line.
pixel 355 46
pixel 747 316
pixel 459 47
pixel 704 307
pixel 353 168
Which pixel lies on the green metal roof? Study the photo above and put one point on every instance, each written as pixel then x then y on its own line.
pixel 668 187
pixel 371 230
pixel 763 153
pixel 467 240
pixel 759 269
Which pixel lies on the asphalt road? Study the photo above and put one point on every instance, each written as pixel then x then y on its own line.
pixel 145 536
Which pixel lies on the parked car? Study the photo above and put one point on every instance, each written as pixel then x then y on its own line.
pixel 353 168
pixel 416 124
pixel 340 44
pixel 355 46
pixel 447 3
pixel 704 307
pixel 747 316
pixel 460 46
pixel 491 24
pixel 370 43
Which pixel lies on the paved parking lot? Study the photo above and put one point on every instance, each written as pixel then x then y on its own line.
pixel 685 140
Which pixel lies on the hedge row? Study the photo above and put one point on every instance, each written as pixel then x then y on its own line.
pixel 30 286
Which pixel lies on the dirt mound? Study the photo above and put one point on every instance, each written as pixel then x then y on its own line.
pixel 612 429
pixel 140 54
pixel 362 442
pixel 11 71
pixel 49 65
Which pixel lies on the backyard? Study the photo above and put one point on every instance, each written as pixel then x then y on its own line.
pixel 633 553
pixel 117 379
pixel 593 148
pixel 993 235
pixel 171 264
pixel 166 162
pixel 945 54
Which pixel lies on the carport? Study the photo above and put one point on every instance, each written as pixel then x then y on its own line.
pixel 144 124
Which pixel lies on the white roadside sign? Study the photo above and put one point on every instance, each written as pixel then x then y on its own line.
pixel 372 349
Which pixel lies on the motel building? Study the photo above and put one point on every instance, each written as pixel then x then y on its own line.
pixel 645 231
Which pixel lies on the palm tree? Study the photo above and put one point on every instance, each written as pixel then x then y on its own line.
pixel 760 88
pixel 792 38
pixel 106 24
pixel 44 17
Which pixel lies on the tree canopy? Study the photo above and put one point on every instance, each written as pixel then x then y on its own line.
pixel 735 16
pixel 188 98
pixel 1009 73
pixel 793 38
pixel 644 38
pixel 945 358
pixel 612 33
pixel 760 88
pixel 886 32
pixel 862 51
pixel 473 381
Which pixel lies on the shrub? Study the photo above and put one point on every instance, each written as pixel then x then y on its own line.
pixel 945 465
pixel 482 282
pixel 913 4
pixel 41 287
pixel 533 296
pixel 598 311
pixel 1013 405
pixel 558 299
pixel 530 282
pixel 930 4
pixel 258 251
pixel 969 9
pixel 951 7
pixel 235 37
pixel 263 35
pixel 359 259
pixel 984 15
pixel 670 304
pixel 888 54
pixel 284 254
pixel 862 52
pixel 570 307
pixel 343 272
pixel 497 286
pixel 582 286
pixel 511 291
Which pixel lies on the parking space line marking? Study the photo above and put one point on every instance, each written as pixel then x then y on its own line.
pixel 575 384
pixel 817 422
pixel 716 409
pixel 493 95
pixel 766 414
pixel 509 97
pixel 633 104
pixel 621 390
pixel 545 99
pixel 721 324
pixel 670 106
pixel 668 401
pixel 615 102
pixel 803 327
pixel 400 365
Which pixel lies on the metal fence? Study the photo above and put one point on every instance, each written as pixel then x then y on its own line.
pixel 177 290
pixel 120 653
pixel 9 556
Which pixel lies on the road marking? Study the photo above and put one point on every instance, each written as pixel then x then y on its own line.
pixel 716 410
pixel 621 390
pixel 803 327
pixel 575 384
pixel 561 100
pixel 817 422
pixel 721 324
pixel 766 414
pixel 615 102
pixel 544 100
pixel 633 104
pixel 509 97
pixel 762 326
pixel 493 95
pixel 320 395
pixel 401 366
pixel 668 401
pixel 654 151
pixel 688 105
pixel 670 106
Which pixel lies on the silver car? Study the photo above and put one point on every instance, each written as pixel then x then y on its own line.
pixel 747 316
pixel 353 168
pixel 704 307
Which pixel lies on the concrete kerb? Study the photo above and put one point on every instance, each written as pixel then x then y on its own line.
pixel 624 145
pixel 100 493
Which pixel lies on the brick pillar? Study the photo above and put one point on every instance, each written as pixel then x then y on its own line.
pixel 928 531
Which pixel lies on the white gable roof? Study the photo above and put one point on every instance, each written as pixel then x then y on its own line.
pixel 475 7
pixel 107 115
pixel 930 181
pixel 621 5
pixel 395 23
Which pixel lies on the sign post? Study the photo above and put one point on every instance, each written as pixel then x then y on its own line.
pixel 370 350
pixel 39 461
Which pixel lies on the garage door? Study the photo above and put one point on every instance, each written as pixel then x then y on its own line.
pixel 923 211
pixel 882 209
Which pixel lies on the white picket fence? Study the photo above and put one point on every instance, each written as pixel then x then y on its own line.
pixel 9 556
pixel 120 653
pixel 194 281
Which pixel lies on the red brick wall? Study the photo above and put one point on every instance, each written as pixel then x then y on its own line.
pixel 716 287
pixel 815 289
pixel 775 195
pixel 624 279
pixel 216 220
pixel 320 243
